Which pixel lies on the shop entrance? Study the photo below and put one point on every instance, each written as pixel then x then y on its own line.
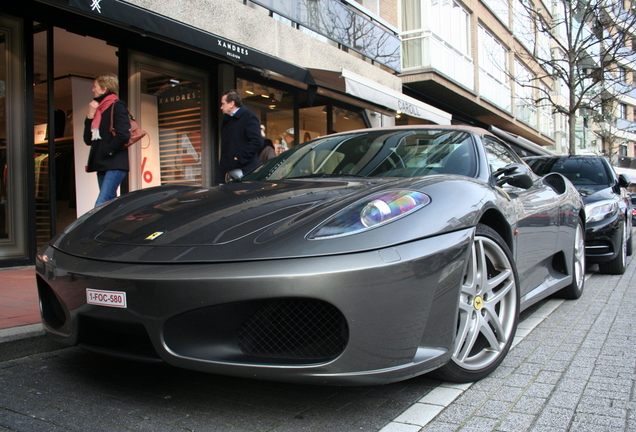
pixel 166 98
pixel 65 65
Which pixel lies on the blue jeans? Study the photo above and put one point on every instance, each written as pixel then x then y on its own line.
pixel 108 182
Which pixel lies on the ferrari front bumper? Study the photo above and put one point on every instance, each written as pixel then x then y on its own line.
pixel 365 318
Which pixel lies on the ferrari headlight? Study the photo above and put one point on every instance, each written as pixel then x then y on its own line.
pixel 373 211
pixel 600 210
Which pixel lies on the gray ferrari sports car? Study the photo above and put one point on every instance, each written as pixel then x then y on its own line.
pixel 363 257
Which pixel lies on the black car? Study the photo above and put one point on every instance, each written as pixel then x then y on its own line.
pixel 633 198
pixel 364 257
pixel 608 207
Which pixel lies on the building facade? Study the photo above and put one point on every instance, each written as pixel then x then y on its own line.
pixel 297 64
pixel 475 59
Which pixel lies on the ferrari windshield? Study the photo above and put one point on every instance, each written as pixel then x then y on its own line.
pixel 377 153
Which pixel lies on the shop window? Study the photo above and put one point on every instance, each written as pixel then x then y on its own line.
pixel 177 103
pixel 13 156
pixel 274 108
pixel 42 158
pixel 313 122
pixel 346 120
pixel 4 202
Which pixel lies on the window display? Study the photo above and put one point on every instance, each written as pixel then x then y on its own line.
pixel 275 108
pixel 178 129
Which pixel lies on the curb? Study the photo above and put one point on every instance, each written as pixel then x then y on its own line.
pixel 24 341
pixel 21 332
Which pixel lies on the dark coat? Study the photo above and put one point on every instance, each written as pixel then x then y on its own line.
pixel 106 153
pixel 241 138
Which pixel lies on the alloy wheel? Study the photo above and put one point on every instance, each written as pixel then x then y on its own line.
pixel 487 308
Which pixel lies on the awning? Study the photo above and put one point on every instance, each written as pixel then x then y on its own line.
pixel 366 89
pixel 150 23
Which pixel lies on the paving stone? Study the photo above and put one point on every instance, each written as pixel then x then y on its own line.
pixel 515 422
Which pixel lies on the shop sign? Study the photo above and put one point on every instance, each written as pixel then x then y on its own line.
pixel 408 108
pixel 233 50
pixel 95 6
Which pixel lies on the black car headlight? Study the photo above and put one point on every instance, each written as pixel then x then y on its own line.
pixel 600 210
pixel 370 212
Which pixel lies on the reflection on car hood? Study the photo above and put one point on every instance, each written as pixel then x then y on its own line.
pixel 237 221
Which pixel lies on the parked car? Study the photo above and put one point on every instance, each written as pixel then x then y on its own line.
pixel 362 257
pixel 633 199
pixel 608 207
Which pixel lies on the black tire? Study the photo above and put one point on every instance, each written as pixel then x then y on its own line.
pixel 619 263
pixel 488 310
pixel 575 289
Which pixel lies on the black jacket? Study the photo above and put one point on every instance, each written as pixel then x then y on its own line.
pixel 106 153
pixel 241 138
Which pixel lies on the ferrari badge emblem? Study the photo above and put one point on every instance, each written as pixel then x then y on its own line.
pixel 154 235
pixel 478 303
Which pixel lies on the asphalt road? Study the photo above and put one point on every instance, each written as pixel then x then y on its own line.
pixel 70 389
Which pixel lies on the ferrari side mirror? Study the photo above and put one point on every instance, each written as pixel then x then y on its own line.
pixel 517 175
pixel 233 175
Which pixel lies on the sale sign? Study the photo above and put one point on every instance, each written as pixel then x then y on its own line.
pixel 149 165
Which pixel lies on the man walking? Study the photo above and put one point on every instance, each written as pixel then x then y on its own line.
pixel 241 139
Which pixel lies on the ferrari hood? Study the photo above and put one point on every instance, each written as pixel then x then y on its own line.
pixel 237 222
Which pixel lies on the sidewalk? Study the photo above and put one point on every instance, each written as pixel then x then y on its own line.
pixel 574 370
pixel 19 304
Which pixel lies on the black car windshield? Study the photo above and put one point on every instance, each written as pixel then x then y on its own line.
pixel 581 171
pixel 377 153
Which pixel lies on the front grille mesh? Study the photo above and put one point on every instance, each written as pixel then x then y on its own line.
pixel 294 329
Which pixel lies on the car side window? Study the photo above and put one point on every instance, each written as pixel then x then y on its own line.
pixel 499 155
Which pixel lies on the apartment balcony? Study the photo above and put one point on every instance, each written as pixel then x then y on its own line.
pixel 342 23
pixel 444 77
pixel 626 126
pixel 496 92
pixel 624 92
pixel 424 50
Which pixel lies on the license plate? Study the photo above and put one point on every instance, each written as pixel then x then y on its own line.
pixel 106 298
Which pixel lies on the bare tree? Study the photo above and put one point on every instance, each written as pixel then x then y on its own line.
pixel 590 42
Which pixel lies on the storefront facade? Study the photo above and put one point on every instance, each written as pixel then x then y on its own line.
pixel 172 73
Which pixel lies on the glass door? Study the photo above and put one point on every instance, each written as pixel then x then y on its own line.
pixel 169 102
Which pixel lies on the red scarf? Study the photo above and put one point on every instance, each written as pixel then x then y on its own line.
pixel 103 105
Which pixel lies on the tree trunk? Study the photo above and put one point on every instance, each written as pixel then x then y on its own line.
pixel 572 133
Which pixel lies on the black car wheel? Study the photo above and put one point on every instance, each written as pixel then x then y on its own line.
pixel 488 310
pixel 617 265
pixel 575 289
